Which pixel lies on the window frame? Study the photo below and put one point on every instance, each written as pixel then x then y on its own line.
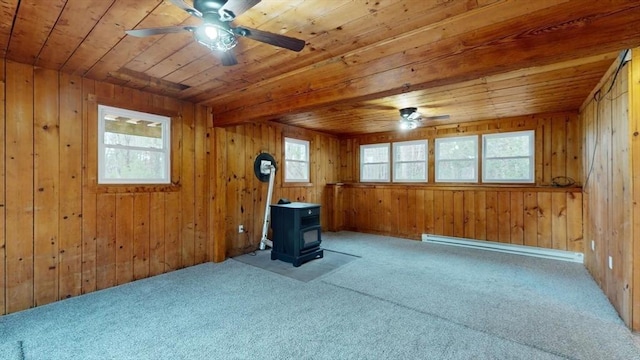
pixel 307 145
pixel 388 162
pixel 531 157
pixel 395 161
pixel 102 179
pixel 437 159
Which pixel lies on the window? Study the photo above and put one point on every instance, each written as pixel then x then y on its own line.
pixel 296 160
pixel 410 161
pixel 457 159
pixel 374 162
pixel 133 147
pixel 508 157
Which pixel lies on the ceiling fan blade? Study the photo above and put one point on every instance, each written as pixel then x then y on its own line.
pixel 184 6
pixel 414 116
pixel 239 6
pixel 228 58
pixel 436 117
pixel 271 38
pixel 160 30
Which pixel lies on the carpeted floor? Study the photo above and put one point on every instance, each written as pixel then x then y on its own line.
pixel 397 299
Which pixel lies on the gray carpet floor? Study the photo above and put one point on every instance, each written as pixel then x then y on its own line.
pixel 397 299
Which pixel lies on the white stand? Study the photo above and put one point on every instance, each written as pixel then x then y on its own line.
pixel 266 167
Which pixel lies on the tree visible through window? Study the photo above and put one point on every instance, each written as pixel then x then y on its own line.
pixel 457 159
pixel 508 157
pixel 133 147
pixel 296 155
pixel 374 162
pixel 410 161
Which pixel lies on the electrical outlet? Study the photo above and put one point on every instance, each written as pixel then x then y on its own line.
pixel 240 228
pixel 610 263
pixel 593 245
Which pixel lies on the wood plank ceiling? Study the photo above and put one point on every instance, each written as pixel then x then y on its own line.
pixel 363 59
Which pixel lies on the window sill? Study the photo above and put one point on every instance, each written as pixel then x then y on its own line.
pixel 134 188
pixel 297 184
pixel 462 186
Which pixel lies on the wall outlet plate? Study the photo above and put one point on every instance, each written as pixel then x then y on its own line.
pixel 240 229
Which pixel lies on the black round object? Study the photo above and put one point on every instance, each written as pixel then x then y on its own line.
pixel 258 162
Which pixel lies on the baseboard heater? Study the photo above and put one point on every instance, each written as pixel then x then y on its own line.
pixel 506 248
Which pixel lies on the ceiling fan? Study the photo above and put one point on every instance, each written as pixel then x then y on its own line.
pixel 215 31
pixel 410 118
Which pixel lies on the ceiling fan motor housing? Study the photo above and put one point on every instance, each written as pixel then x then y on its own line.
pixel 406 112
pixel 208 6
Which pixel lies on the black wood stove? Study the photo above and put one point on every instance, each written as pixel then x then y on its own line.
pixel 296 232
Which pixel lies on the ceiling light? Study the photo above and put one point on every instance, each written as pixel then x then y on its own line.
pixel 211 31
pixel 215 37
pixel 407 112
pixel 409 118
pixel 406 124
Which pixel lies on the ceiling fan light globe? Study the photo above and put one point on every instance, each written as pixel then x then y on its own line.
pixel 408 124
pixel 224 40
pixel 211 32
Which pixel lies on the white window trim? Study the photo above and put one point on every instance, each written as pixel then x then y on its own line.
pixel 437 158
pixel 531 134
pixel 305 161
pixel 166 145
pixel 387 163
pixel 425 161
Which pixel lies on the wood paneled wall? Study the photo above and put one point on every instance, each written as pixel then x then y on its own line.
pixel 240 197
pixel 544 217
pixel 558 144
pixel 62 235
pixel 536 215
pixel 612 191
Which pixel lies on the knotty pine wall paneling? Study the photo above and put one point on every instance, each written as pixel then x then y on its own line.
pixel 549 218
pixel 70 187
pixel 64 235
pixel 634 133
pixel 3 258
pixel 535 215
pixel 558 148
pixel 19 197
pixel 240 198
pixel 46 163
pixel 611 191
pixel 607 188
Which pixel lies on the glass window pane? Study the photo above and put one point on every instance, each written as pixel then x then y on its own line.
pixel 295 170
pixel 295 151
pixel 508 169
pixel 375 162
pixel 507 146
pixel 133 164
pixel 296 154
pixel 376 172
pixel 410 152
pixel 376 154
pixel 133 147
pixel 509 157
pixel 411 171
pixel 457 170
pixel 133 140
pixel 459 149
pixel 456 159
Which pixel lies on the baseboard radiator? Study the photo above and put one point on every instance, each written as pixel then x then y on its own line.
pixel 506 248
